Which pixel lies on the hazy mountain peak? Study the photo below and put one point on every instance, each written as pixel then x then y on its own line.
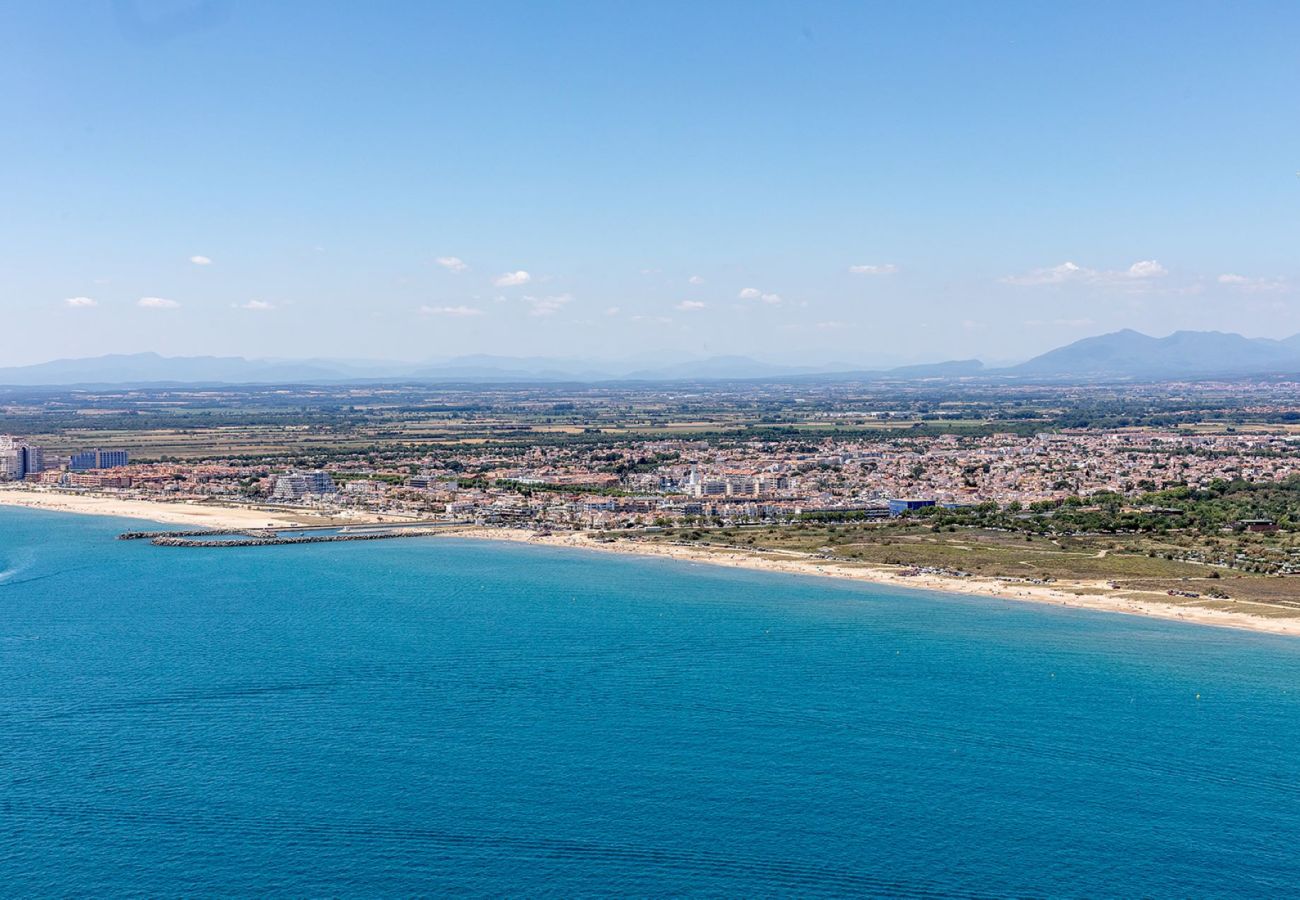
pixel 1182 354
pixel 1127 354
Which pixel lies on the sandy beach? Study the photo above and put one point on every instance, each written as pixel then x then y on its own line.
pixel 199 515
pixel 1095 595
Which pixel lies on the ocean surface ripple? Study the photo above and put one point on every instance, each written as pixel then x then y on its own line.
pixel 449 716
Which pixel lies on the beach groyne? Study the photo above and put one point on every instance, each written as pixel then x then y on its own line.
pixel 173 539
pixel 200 532
pixel 271 537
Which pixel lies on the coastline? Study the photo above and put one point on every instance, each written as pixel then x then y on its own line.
pixel 1060 594
pixel 1094 595
pixel 199 515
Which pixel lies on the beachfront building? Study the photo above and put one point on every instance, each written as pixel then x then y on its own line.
pixel 19 459
pixel 297 485
pixel 98 459
pixel 10 460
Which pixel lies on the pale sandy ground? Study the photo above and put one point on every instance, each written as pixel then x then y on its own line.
pixel 1100 597
pixel 796 564
pixel 200 515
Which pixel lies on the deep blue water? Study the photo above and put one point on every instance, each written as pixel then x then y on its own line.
pixel 442 716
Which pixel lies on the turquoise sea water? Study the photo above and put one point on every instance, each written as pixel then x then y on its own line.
pixel 443 716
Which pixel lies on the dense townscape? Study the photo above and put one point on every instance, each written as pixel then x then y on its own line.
pixel 669 481
pixel 582 457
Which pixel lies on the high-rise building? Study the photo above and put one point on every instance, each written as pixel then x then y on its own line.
pixel 19 459
pixel 10 460
pixel 112 459
pixel 33 460
pixel 98 459
pixel 319 482
pixel 296 485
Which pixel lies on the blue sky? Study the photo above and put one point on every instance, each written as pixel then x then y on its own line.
pixel 795 181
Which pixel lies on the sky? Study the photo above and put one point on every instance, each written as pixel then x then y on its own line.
pixel 797 182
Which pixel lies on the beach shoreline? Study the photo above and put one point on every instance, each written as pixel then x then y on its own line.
pixel 1094 595
pixel 197 514
pixel 1060 593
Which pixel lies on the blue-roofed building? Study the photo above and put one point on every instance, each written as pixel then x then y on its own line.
pixel 898 507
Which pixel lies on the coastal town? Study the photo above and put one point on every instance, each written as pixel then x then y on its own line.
pixel 821 450
pixel 1171 499
pixel 674 482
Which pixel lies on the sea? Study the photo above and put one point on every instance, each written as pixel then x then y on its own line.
pixel 435 716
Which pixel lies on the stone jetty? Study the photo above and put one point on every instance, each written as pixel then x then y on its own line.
pixel 297 534
pixel 152 535
pixel 174 540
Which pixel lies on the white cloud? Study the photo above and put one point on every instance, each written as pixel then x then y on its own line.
pixel 1249 285
pixel 1147 268
pixel 755 294
pixel 454 263
pixel 512 279
pixel 156 303
pixel 1073 273
pixel 257 305
pixel 1066 271
pixel 689 305
pixel 613 310
pixel 547 306
pixel 200 260
pixel 459 312
pixel 695 279
pixel 81 302
pixel 879 269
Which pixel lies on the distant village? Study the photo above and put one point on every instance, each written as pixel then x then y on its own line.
pixel 676 481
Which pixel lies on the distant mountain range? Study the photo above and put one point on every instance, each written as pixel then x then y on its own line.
pixel 151 368
pixel 1183 354
pixel 1121 355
